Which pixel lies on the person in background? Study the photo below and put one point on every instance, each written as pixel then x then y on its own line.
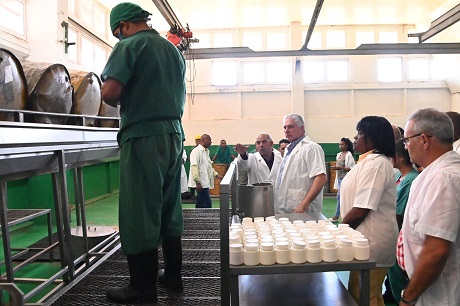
pixel 261 166
pixel 406 175
pixel 146 74
pixel 455 117
pixel 197 139
pixel 283 143
pixel 345 161
pixel 368 201
pixel 224 154
pixel 183 174
pixel 191 182
pixel 302 173
pixel 202 172
pixel 429 242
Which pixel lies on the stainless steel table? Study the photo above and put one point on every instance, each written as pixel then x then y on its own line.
pixel 229 274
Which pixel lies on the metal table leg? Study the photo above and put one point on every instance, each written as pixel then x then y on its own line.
pixel 234 290
pixel 364 293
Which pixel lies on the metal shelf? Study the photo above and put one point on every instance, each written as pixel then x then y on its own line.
pixel 30 149
pixel 229 273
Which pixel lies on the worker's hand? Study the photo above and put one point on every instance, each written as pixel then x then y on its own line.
pixel 240 149
pixel 199 187
pixel 220 177
pixel 300 209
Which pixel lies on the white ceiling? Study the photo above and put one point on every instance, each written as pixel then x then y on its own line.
pixel 217 14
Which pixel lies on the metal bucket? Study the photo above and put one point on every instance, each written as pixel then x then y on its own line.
pixel 108 111
pixel 255 200
pixel 13 85
pixel 49 90
pixel 87 94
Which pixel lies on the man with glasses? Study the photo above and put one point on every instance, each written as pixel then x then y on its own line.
pixel 429 242
pixel 145 73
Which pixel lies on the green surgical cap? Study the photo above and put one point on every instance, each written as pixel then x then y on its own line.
pixel 126 11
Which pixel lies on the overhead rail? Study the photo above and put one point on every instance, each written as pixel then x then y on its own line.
pixel 311 27
pixel 440 24
pixel 365 49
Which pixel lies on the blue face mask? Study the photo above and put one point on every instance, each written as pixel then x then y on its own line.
pixel 120 35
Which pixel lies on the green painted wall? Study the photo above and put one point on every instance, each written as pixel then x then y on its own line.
pixel 99 180
pixel 37 191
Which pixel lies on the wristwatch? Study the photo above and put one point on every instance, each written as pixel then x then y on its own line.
pixel 406 301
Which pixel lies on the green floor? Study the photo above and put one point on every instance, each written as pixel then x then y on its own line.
pixel 103 212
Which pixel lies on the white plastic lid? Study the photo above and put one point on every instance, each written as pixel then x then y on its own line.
pixel 267 246
pixel 313 244
pixel 282 245
pixel 345 242
pixel 361 241
pixel 298 244
pixel 236 247
pixel 252 247
pixel 329 243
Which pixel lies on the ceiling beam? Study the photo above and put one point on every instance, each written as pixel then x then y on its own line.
pixel 440 24
pixel 365 49
pixel 168 13
pixel 311 27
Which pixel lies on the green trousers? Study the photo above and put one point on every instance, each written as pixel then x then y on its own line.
pixel 150 207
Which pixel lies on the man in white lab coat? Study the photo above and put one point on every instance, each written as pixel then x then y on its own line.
pixel 261 166
pixel 202 172
pixel 302 174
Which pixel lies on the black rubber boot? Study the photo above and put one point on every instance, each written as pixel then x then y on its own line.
pixel 143 269
pixel 171 276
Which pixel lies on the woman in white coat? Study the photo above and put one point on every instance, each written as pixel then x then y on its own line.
pixel 345 162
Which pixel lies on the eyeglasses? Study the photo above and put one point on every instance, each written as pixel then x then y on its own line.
pixel 406 140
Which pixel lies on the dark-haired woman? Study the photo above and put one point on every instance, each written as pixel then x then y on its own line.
pixel 345 162
pixel 368 201
pixel 404 179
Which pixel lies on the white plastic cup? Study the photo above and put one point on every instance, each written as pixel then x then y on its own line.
pixel 345 250
pixel 298 251
pixel 251 254
pixel 329 250
pixel 314 251
pixel 282 252
pixel 361 250
pixel 267 254
pixel 236 254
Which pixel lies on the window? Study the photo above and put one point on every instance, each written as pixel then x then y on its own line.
pixel 72 50
pixel 100 58
pixel 364 37
pixel 313 71
pixel 315 42
pixel 253 73
pixel 337 70
pixel 388 37
pixel 92 15
pixel 224 73
pixel 87 53
pixel 418 69
pixel 278 72
pixel 252 40
pixel 12 16
pixel 335 39
pixel 222 40
pixel 389 69
pixel 276 41
pixel 203 41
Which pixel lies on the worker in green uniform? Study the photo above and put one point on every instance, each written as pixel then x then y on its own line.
pixel 145 74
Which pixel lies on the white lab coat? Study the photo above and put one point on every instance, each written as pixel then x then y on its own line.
pixel 349 163
pixel 257 168
pixel 305 162
pixel 199 157
pixel 183 174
